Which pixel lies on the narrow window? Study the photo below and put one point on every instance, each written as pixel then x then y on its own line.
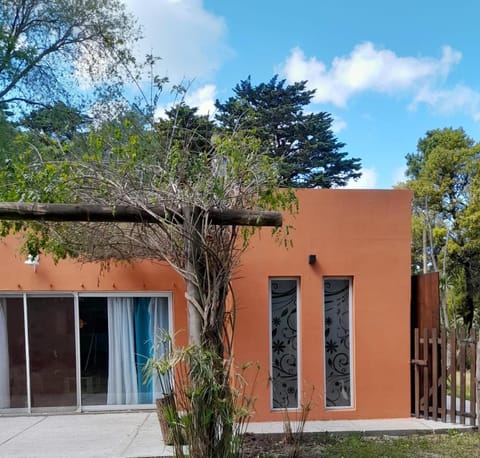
pixel 337 343
pixel 284 356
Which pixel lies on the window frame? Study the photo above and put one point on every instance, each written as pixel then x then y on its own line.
pixel 270 352
pixel 76 295
pixel 350 279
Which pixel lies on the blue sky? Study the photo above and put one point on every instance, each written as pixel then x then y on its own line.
pixel 387 71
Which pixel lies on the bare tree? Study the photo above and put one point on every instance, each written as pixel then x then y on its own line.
pixel 180 196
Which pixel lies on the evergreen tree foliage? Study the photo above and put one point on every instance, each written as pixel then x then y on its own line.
pixel 192 131
pixel 58 120
pixel 304 144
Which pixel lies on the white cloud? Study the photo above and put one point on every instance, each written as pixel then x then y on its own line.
pixel 446 101
pixel 366 69
pixel 203 98
pixel 189 39
pixel 160 111
pixel 368 180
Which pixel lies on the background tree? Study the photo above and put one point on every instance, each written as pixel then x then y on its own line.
pixel 303 144
pixel 57 121
pixel 444 174
pixel 47 46
pixel 8 135
pixel 182 125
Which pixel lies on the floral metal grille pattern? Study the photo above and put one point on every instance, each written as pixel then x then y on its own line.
pixel 337 342
pixel 284 343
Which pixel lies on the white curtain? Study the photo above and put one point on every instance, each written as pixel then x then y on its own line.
pixel 4 361
pixel 158 311
pixel 122 375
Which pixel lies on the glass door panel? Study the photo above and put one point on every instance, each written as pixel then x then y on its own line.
pixel 117 337
pixel 94 350
pixel 51 332
pixel 13 378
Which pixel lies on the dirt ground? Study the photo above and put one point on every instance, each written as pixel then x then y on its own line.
pixel 274 445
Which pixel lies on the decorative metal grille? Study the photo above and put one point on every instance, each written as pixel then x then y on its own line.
pixel 284 343
pixel 337 342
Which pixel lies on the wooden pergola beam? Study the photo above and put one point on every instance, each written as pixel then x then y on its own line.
pixel 24 211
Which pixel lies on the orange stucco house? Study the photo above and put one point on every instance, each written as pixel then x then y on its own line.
pixel 327 320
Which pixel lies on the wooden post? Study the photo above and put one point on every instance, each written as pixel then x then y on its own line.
pixel 416 369
pixel 473 370
pixel 462 371
pixel 24 211
pixel 453 376
pixel 434 374
pixel 443 352
pixel 426 384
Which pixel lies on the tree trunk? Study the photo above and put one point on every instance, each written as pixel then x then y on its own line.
pixel 194 319
pixel 444 287
pixel 444 308
pixel 192 227
pixel 424 250
pixel 469 288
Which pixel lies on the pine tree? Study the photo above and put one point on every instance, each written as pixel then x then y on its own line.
pixel 308 151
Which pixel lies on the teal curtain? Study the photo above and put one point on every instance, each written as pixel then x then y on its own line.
pixel 143 347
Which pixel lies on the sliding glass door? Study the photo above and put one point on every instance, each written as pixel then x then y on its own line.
pixel 73 351
pixel 51 336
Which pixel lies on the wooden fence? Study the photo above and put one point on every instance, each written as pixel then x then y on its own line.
pixel 445 375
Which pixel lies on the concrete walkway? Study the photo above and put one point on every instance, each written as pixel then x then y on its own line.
pixel 137 434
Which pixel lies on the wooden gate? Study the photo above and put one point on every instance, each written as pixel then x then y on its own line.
pixel 425 306
pixel 444 375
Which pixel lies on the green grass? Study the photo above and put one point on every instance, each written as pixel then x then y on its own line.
pixel 452 445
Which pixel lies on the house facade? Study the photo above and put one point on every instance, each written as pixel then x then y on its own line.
pixel 327 319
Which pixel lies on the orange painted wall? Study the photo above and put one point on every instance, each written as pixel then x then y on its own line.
pixel 361 234
pixel 357 233
pixel 68 276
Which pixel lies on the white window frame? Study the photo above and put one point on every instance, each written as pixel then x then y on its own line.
pixel 103 407
pixel 350 343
